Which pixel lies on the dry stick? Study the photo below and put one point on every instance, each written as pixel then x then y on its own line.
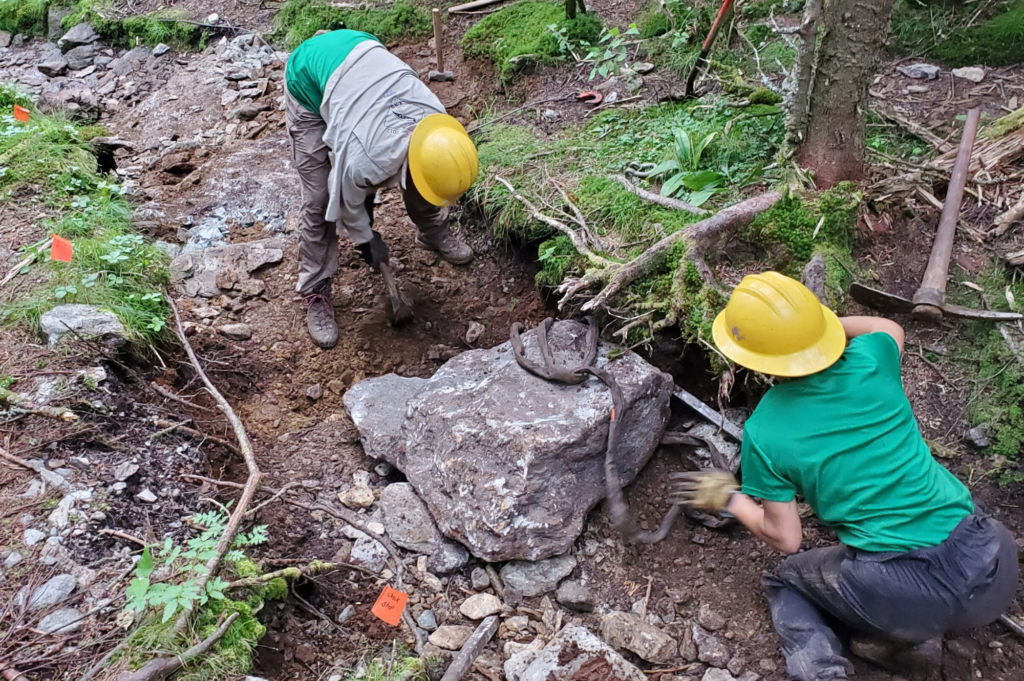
pixel 471 649
pixel 125 536
pixel 666 201
pixel 702 236
pixel 251 483
pixel 177 398
pixel 277 495
pixel 915 129
pixel 163 423
pixel 472 5
pixel 474 128
pixel 495 578
pixel 13 399
pixel 1005 220
pixel 162 667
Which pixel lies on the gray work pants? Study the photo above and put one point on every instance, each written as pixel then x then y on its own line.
pixel 966 581
pixel 318 239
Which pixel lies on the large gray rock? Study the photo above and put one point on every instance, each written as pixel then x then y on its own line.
pixel 54 591
pixel 54 20
pixel 536 578
pixel 574 653
pixel 87 320
pixel 509 464
pixel 210 272
pixel 626 630
pixel 409 525
pixel 81 34
pixel 53 68
pixel 5 39
pixel 64 621
pixel 81 56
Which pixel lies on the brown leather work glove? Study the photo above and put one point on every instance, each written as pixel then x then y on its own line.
pixel 709 490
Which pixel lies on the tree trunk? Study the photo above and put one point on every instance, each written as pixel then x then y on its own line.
pixel 570 9
pixel 854 34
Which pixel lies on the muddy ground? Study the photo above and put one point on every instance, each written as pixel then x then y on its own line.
pixel 288 392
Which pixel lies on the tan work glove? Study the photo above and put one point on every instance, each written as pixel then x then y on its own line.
pixel 709 490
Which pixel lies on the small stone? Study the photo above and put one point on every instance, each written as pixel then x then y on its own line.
pixel 550 114
pixel 995 645
pixel 369 554
pixel 357 497
pixel 12 559
pixel 537 578
pixel 383 469
pixel 451 637
pixel 33 536
pixel 643 67
pixel 54 68
pixel 86 320
pixel 479 606
pixel 5 39
pixel 55 591
pixel 432 582
pixel 711 651
pixel 147 496
pixel 305 653
pixel 575 596
pixel 736 665
pixel 626 630
pixel 919 71
pixel 238 332
pixel 427 621
pixel 977 437
pixel 971 73
pixel 717 675
pixel 749 676
pixel 160 50
pixel 345 615
pixel 473 333
pixel 125 470
pixel 480 579
pixel 314 392
pixel 213 18
pixel 64 621
pixel 709 619
pixel 687 648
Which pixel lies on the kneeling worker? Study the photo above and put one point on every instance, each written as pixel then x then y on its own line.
pixel 361 119
pixel 917 557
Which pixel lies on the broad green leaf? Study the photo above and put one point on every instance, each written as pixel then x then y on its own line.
pixel 673 185
pixel 699 198
pixel 144 568
pixel 136 593
pixel 169 610
pixel 664 167
pixel 702 179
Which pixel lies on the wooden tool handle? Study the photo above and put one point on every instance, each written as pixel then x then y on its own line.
pixel 438 43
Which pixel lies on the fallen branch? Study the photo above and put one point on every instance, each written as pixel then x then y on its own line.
pixel 313 568
pixel 701 237
pixel 124 535
pixel 1005 220
pixel 177 398
pixel 251 483
pixel 13 399
pixel 163 423
pixel 160 668
pixel 917 130
pixel 471 649
pixel 666 201
pixel 472 5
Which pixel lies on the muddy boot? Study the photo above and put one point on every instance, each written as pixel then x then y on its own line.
pixel 320 315
pixel 447 245
pixel 915 660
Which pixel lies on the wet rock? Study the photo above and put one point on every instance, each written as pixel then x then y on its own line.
pixel 369 553
pixel 345 615
pixel 87 320
pixel 357 497
pixel 451 637
pixel 410 525
pixel 54 68
pixel 524 457
pixel 56 590
pixel 479 606
pixel 977 437
pixel 711 650
pixel 64 621
pixel 717 675
pixel 238 332
pixel 473 333
pixel 537 578
pixel 709 619
pixel 160 50
pixel 33 536
pixel 575 653
pixel 479 579
pixel 575 596
pixel 196 270
pixel 427 621
pixel 80 34
pixel 919 71
pixel 81 57
pixel 626 630
pixel 971 73
pixel 146 496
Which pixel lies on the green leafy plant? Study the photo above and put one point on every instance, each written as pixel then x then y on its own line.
pixel 188 561
pixel 682 170
pixel 609 55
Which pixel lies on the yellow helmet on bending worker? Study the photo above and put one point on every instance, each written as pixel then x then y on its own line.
pixel 775 325
pixel 442 159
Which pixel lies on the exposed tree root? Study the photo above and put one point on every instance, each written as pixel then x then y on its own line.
pixel 814 276
pixel 160 668
pixel 13 399
pixel 244 445
pixel 701 236
pixel 666 201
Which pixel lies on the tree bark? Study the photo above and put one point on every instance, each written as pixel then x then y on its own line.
pixel 803 70
pixel 854 34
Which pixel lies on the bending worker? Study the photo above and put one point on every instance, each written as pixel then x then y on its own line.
pixel 361 119
pixel 917 557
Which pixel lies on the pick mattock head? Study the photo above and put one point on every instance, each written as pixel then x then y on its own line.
pixel 441 76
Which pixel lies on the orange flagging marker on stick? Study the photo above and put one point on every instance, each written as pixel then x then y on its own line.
pixel 20 114
pixel 390 605
pixel 61 249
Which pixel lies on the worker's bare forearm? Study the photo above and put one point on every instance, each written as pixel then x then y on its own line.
pixel 780 528
pixel 859 326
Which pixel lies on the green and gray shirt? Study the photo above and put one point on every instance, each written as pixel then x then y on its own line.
pixel 846 439
pixel 313 62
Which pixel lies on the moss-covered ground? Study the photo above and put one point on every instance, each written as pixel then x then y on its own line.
pixel 959 33
pixel 48 164
pixel 298 20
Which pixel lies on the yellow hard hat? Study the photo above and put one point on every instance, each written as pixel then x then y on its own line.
pixel 775 325
pixel 442 159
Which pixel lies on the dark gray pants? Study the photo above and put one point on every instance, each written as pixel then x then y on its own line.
pixel 966 581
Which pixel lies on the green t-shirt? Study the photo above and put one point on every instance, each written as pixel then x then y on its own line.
pixel 311 64
pixel 846 439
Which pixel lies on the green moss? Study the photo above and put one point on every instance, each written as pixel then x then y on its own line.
pixel 765 96
pixel 246 567
pixel 519 35
pixel 960 34
pixel 24 16
pixel 653 22
pixel 276 590
pixel 760 9
pixel 164 26
pixel 299 20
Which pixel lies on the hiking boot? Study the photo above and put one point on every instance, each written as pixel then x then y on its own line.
pixel 320 315
pixel 911 659
pixel 447 245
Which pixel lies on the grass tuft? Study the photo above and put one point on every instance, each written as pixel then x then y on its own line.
pixel 299 20
pixel 960 34
pixel 24 16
